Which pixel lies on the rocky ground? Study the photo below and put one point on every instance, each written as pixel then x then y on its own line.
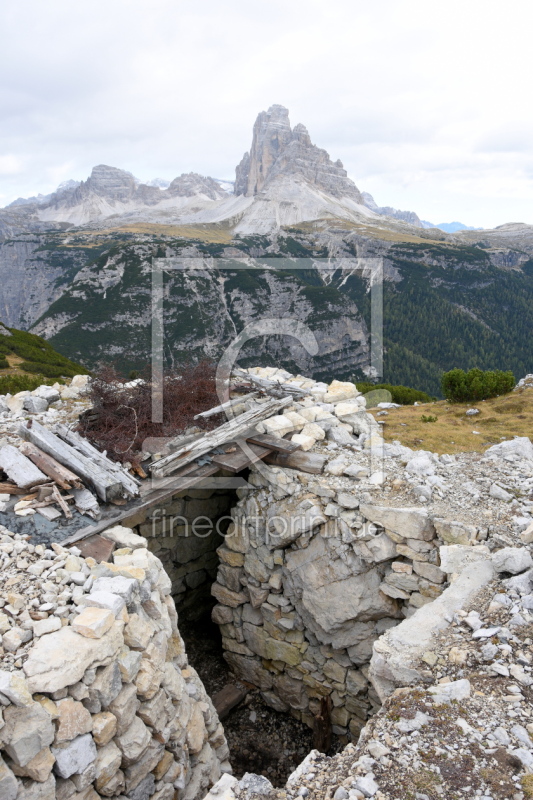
pixel 260 740
pixel 466 732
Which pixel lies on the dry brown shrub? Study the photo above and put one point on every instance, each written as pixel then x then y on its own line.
pixel 121 416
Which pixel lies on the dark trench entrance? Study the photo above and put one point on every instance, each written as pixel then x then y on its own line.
pixel 261 740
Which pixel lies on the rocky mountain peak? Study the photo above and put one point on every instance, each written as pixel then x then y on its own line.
pixel 111 182
pixel 277 149
pixel 191 184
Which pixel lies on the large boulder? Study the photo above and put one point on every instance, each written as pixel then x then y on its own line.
pixel 61 658
pixel 520 446
pixel 410 523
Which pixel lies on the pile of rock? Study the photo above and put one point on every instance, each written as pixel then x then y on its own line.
pixel 47 404
pixel 465 729
pixel 97 696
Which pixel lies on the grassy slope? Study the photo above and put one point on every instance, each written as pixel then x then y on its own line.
pixel 28 354
pixel 500 418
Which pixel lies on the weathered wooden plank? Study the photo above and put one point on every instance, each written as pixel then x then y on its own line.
pixel 227 432
pixel 235 462
pixel 130 484
pixel 57 472
pixel 96 547
pixel 306 462
pixel 228 697
pixel 20 469
pixel 10 488
pixel 106 485
pixel 235 401
pixel 161 490
pixel 273 442
pixel 61 503
pixel 272 387
pixel 239 459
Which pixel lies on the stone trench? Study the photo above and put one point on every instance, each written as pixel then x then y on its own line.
pixel 301 580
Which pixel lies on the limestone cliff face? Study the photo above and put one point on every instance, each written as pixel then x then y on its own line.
pixel 279 150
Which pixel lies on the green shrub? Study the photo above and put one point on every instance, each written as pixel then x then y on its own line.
pixel 4 363
pixel 459 386
pixel 11 384
pixel 428 418
pixel 403 395
pixel 48 370
pixel 38 355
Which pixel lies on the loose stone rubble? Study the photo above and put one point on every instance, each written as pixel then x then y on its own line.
pixel 465 730
pixel 97 697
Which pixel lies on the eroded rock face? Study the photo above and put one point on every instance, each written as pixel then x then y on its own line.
pixel 279 150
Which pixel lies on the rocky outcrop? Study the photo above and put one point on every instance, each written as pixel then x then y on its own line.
pixel 387 211
pixel 278 150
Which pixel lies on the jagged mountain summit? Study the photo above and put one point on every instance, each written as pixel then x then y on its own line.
pixel 277 150
pixel 284 179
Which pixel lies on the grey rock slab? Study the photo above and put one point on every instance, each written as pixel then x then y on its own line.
pixel 498 493
pixel 61 658
pixel 410 523
pixel 409 725
pixel 27 731
pixel 512 559
pixel 256 784
pixel 124 587
pixel 8 783
pixel 446 692
pixel 75 756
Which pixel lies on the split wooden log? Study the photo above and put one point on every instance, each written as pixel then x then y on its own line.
pixel 106 485
pixel 64 477
pixel 228 404
pixel 304 461
pixel 130 484
pixel 272 387
pixel 61 503
pixel 10 488
pixel 20 469
pixel 229 431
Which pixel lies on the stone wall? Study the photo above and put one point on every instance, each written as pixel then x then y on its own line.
pixel 184 533
pixel 300 609
pixel 97 698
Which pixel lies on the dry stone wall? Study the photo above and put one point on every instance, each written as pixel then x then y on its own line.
pixel 184 534
pixel 97 697
pixel 308 580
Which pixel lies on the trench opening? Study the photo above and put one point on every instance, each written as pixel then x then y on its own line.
pixel 262 739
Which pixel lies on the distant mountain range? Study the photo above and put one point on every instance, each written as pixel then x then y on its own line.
pixel 76 266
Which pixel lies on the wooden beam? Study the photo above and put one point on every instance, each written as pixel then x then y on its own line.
pixel 64 477
pixel 234 429
pixel 236 462
pixel 313 463
pixel 228 404
pixel 20 469
pixel 273 442
pixel 158 495
pixel 106 485
pixel 10 488
pixel 130 484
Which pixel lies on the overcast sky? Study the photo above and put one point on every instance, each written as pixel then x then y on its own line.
pixel 428 104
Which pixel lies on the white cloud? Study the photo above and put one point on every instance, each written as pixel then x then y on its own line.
pixel 426 104
pixel 10 165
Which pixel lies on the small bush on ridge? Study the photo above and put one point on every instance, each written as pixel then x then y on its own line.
pixel 459 386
